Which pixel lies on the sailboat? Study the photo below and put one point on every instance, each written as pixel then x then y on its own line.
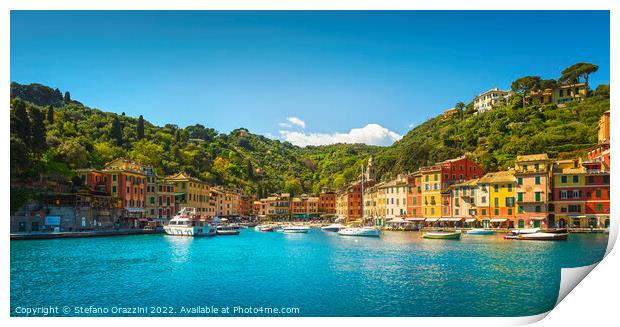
pixel 366 231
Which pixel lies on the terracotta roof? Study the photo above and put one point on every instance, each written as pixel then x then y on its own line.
pixel 533 157
pixel 471 182
pixel 499 177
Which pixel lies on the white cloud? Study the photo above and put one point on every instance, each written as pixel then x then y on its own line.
pixel 296 121
pixel 371 134
pixel 285 125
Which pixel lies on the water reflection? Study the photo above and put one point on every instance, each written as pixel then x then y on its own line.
pixel 179 247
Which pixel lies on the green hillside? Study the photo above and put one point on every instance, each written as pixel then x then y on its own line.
pixel 53 135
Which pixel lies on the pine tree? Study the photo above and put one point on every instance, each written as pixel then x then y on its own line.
pixel 37 131
pixel 20 124
pixel 140 127
pixel 250 170
pixel 50 115
pixel 117 131
pixel 67 97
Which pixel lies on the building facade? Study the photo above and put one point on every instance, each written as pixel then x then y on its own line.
pixel 490 99
pixel 533 174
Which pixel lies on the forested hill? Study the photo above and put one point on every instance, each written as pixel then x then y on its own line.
pixel 495 138
pixel 52 134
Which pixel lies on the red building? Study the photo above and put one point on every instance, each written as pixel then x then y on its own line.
pixel 327 202
pixel 459 169
pixel 166 207
pixel 597 193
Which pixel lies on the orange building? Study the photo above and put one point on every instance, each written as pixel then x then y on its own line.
pixel 327 201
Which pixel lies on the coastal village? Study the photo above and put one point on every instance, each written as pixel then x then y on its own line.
pixel 537 192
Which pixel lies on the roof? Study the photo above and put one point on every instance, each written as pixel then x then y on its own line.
pixel 499 177
pixel 471 182
pixel 533 157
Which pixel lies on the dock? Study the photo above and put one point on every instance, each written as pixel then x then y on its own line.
pixel 53 235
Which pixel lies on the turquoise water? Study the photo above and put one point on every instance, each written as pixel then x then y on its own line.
pixel 320 274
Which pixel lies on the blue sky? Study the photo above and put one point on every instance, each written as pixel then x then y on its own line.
pixel 347 76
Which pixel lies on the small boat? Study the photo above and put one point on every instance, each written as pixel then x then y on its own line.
pixel 480 231
pixel 541 237
pixel 227 230
pixel 524 231
pixel 264 228
pixel 295 229
pixel 187 223
pixel 360 231
pixel 332 228
pixel 456 235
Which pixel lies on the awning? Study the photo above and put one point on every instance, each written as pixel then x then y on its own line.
pixel 470 220
pixel 431 219
pixel 414 219
pixel 134 209
pixel 538 218
pixel 444 219
pixel 498 220
pixel 397 220
pixel 576 216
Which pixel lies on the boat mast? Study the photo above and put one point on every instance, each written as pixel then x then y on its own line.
pixel 363 222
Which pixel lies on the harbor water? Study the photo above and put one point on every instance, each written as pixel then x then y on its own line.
pixel 318 273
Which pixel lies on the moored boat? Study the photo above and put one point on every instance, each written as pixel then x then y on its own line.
pixel 360 231
pixel 543 237
pixel 264 228
pixel 555 230
pixel 456 235
pixel 187 223
pixel 524 231
pixel 227 230
pixel 332 228
pixel 295 229
pixel 480 231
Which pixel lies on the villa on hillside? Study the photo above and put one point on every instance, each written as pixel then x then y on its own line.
pixel 557 95
pixel 490 99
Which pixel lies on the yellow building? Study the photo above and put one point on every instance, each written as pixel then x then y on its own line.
pixel 194 193
pixel 501 188
pixel 557 95
pixel 431 191
pixel 603 128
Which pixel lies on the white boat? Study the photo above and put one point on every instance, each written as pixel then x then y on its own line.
pixel 187 223
pixel 360 231
pixel 264 228
pixel 455 235
pixel 295 229
pixel 480 231
pixel 539 236
pixel 332 228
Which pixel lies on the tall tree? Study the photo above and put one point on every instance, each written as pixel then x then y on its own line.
pixel 140 128
pixel 37 130
pixel 117 131
pixel 525 84
pixel 20 123
pixel 67 97
pixel 249 170
pixel 50 115
pixel 578 71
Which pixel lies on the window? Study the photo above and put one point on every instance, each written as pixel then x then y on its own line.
pixel 520 181
pixel 598 194
pixel 510 211
pixel 537 180
pixel 114 177
pixel 537 167
pixel 537 209
pixel 538 194
pixel 456 212
pixel 564 179
pixel 575 179
pixel 524 167
pixel 520 196
pixel 497 212
pixel 484 212
pixel 509 187
pixel 590 179
pixel 113 189
pixel 599 208
pixel 510 201
pixel 496 202
pixel 483 199
pixel 563 194
pixel 496 188
pixel 520 209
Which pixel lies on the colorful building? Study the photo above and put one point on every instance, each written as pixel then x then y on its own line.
pixel 327 201
pixel 533 174
pixel 558 94
pixel 569 193
pixel 192 193
pixel 414 195
pixel 499 188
